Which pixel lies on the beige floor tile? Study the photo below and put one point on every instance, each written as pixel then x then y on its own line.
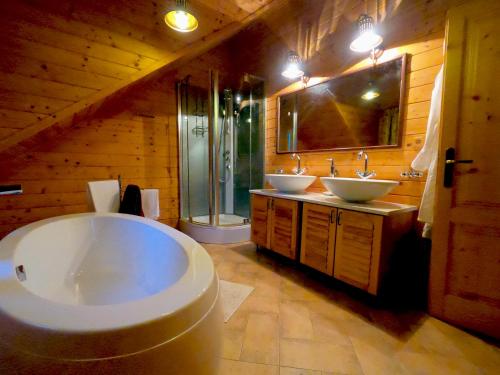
pixel 295 321
pixel 326 331
pixel 232 342
pixel 432 364
pixel 256 303
pixel 475 349
pixel 298 371
pixel 261 341
pixel 427 338
pixel 329 330
pixel 229 367
pixel 319 356
pixel 375 360
pixel 238 320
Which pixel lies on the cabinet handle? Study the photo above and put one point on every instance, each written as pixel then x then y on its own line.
pixel 339 218
pixel 272 204
pixel 332 220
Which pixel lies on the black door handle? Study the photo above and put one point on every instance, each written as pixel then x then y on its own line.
pixel 449 166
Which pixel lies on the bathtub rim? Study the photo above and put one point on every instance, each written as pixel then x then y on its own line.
pixel 21 305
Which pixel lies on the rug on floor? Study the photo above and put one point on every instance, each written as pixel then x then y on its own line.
pixel 233 295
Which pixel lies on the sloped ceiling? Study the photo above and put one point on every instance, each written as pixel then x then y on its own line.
pixel 60 60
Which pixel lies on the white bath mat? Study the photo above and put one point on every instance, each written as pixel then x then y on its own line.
pixel 233 295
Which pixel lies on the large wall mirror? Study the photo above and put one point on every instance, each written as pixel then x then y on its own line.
pixel 356 110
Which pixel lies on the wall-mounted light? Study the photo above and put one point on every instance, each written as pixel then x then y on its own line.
pixel 367 38
pixel 370 95
pixel 293 68
pixel 180 19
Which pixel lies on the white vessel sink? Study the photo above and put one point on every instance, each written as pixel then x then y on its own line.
pixel 290 183
pixel 357 189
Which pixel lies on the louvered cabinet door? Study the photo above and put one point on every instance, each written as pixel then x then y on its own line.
pixel 358 243
pixel 284 219
pixel 260 220
pixel 318 237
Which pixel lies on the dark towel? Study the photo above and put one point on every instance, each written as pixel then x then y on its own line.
pixel 131 203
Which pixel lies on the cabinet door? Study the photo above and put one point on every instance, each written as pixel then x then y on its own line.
pixel 358 242
pixel 318 237
pixel 260 220
pixel 284 218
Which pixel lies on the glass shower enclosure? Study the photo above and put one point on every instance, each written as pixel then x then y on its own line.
pixel 221 145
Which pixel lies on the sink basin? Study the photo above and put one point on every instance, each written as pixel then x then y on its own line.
pixel 357 189
pixel 290 183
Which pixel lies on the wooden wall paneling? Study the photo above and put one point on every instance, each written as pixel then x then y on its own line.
pixel 86 103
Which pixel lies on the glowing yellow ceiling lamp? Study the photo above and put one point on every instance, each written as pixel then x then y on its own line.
pixel 370 95
pixel 180 19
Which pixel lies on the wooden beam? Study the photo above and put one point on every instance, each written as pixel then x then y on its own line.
pixel 89 105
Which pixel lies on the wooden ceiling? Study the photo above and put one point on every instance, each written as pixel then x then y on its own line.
pixel 60 60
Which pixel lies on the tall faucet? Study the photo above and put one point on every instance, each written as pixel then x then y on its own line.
pixel 365 173
pixel 333 172
pixel 298 170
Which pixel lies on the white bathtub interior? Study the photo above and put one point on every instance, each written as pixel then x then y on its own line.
pixel 94 266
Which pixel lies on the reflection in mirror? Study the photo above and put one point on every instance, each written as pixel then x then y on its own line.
pixel 361 109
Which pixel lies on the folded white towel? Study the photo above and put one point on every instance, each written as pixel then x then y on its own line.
pixel 151 203
pixel 103 196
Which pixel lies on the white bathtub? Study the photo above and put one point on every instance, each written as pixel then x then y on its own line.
pixel 107 293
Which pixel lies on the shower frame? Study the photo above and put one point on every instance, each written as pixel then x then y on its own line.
pixel 213 154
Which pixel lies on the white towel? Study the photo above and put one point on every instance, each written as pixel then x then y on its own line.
pixel 150 203
pixel 427 157
pixel 103 196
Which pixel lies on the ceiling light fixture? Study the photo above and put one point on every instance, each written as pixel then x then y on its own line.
pixel 367 39
pixel 293 68
pixel 180 19
pixel 370 95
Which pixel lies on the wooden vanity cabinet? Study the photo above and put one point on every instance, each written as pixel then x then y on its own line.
pixel 260 233
pixel 317 248
pixel 275 224
pixel 364 246
pixel 349 245
pixel 358 241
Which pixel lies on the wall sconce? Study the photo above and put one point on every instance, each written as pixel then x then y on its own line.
pixel 367 38
pixel 180 19
pixel 293 68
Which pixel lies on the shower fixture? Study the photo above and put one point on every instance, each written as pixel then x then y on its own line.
pixel 180 19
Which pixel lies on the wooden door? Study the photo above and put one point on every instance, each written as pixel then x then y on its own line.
pixel 318 237
pixel 284 220
pixel 260 233
pixel 358 240
pixel 465 257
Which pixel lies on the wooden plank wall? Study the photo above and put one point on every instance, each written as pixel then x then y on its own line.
pixel 425 60
pixel 134 136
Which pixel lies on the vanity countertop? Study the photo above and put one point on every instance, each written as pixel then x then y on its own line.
pixel 372 207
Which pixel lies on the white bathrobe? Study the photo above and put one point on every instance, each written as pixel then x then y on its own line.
pixel 428 155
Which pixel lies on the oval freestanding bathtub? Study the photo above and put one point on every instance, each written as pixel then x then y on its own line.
pixel 107 293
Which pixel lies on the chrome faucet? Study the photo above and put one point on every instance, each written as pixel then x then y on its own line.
pixel 365 173
pixel 298 170
pixel 333 172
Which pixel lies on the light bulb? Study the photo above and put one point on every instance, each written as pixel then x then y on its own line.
pixel 370 95
pixel 293 68
pixel 180 19
pixel 367 39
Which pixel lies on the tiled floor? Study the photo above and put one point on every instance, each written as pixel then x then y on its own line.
pixel 292 323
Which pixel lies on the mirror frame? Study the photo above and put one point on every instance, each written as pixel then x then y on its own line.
pixel 402 91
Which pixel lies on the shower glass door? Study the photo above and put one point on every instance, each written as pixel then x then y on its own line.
pixel 221 135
